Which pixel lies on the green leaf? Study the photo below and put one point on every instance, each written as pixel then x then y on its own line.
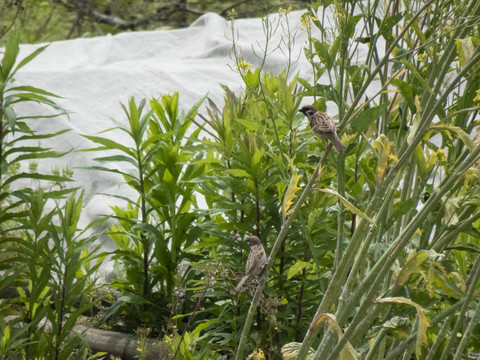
pixel 465 50
pixel 322 50
pixel 351 24
pixel 387 25
pixel 349 206
pixel 11 117
pixel 54 178
pixel 305 84
pixel 414 261
pixel 9 57
pixel 38 137
pixel 249 125
pixel 297 268
pixel 109 144
pixel 460 133
pixel 419 77
pixel 238 173
pixel 39 155
pixel 361 122
pixel 407 92
pixel 420 161
pixel 465 247
pixel 422 320
pixel 32 89
pixel 117 158
pixel 412 129
pixel 29 58
pixel 29 96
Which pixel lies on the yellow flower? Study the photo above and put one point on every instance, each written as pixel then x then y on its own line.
pixel 422 57
pixel 305 18
pixel 231 14
pixel 441 155
pixel 138 349
pixel 257 354
pixel 476 100
pixel 244 66
pixel 284 11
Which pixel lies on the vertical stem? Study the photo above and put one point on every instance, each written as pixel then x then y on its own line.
pixel 143 239
pixel 2 89
pixel 300 299
pixel 273 255
pixel 472 281
pixel 257 207
pixel 341 213
pixel 60 314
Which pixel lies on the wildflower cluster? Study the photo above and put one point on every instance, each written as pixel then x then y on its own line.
pixel 307 19
pixel 422 57
pixel 231 14
pixel 284 11
pixel 243 66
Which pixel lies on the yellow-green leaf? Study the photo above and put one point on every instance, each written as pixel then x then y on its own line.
pixel 290 194
pixel 349 206
pixel 416 121
pixel 460 133
pixel 420 161
pixel 248 125
pixel 296 268
pixel 422 320
pixel 238 173
pixel 382 145
pixel 348 352
pixel 414 261
pixel 290 351
pixel 167 176
pixel 450 207
pixel 465 50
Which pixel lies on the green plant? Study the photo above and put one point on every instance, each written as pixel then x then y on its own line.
pixel 60 271
pixel 394 144
pixel 43 256
pixel 153 230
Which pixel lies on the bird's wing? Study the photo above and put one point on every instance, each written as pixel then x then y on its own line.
pixel 256 254
pixel 322 123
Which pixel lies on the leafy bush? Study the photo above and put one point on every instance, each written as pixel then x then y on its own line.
pixel 44 256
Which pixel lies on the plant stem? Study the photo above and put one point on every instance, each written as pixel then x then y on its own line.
pixel 276 246
pixel 472 280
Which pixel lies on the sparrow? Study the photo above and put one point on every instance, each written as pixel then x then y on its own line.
pixel 256 260
pixel 322 124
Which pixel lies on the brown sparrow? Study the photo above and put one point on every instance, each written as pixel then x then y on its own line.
pixel 256 260
pixel 322 124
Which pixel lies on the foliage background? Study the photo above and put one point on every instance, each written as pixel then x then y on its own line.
pixel 53 20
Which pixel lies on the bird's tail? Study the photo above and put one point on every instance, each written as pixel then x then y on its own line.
pixel 240 284
pixel 339 145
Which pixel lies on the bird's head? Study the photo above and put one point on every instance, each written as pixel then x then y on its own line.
pixel 308 110
pixel 253 240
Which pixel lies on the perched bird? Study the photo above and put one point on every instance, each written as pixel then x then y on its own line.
pixel 256 260
pixel 322 124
